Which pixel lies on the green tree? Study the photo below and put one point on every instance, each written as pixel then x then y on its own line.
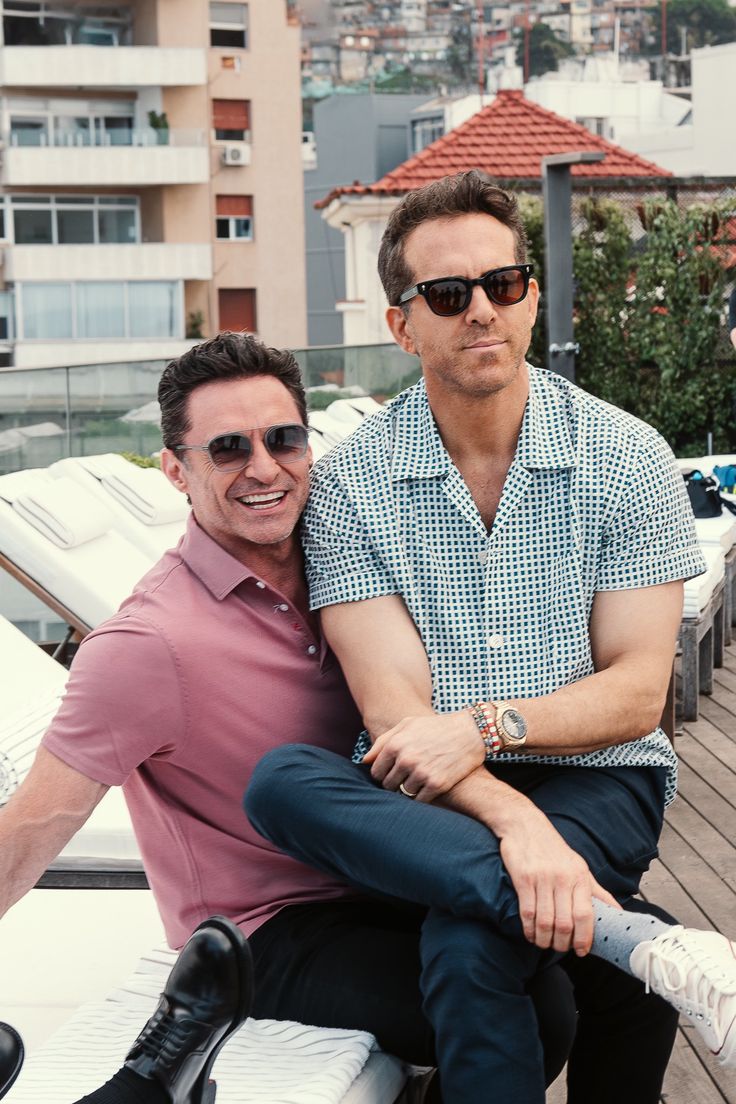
pixel 706 23
pixel 546 49
pixel 602 265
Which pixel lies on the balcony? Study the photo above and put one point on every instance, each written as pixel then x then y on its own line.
pixel 139 158
pixel 101 68
pixel 142 261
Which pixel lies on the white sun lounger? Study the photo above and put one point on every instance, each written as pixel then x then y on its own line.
pixel 143 505
pixel 265 1061
pixel 104 852
pixel 57 539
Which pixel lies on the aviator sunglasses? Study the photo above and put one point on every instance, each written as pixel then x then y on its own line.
pixel 230 452
pixel 450 295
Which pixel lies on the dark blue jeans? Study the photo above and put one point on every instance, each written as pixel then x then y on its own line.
pixel 475 963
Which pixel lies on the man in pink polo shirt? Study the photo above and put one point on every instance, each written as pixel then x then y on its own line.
pixel 214 660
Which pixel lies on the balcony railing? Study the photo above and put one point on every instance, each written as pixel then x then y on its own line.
pixel 49 413
pixel 32 137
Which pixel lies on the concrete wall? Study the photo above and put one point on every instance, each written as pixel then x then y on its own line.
pixel 359 137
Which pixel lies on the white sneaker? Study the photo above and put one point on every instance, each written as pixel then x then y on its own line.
pixel 696 972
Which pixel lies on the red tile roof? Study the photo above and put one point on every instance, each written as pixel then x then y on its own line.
pixel 507 140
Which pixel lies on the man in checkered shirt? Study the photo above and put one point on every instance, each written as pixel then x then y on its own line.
pixel 498 558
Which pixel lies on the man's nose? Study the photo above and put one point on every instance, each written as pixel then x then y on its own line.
pixel 261 465
pixel 480 308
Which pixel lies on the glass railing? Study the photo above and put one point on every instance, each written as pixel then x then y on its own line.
pixel 49 413
pixel 44 137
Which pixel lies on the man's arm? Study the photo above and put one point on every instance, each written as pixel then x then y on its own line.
pixel 633 635
pixel 388 672
pixel 53 802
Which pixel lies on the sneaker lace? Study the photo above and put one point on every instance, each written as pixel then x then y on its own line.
pixel 670 969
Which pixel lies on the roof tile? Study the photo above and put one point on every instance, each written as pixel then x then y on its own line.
pixel 507 140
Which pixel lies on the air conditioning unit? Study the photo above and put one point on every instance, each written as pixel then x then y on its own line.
pixel 236 153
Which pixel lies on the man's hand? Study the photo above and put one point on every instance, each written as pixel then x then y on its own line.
pixel 553 883
pixel 427 754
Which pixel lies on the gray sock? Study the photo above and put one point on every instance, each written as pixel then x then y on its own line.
pixel 616 933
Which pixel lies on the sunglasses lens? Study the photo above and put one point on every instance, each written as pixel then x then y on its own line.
pixel 506 288
pixel 287 443
pixel 230 452
pixel 447 297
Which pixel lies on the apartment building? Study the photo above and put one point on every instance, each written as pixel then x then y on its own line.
pixel 150 177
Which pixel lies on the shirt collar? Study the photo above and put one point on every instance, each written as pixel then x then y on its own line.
pixel 418 450
pixel 545 440
pixel 220 572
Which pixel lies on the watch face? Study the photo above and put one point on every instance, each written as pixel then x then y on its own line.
pixel 513 724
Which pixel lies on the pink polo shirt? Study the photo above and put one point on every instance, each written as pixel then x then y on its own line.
pixel 202 670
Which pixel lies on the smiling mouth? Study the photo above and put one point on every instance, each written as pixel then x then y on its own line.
pixel 261 501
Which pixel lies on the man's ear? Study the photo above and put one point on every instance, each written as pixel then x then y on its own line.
pixel 398 323
pixel 175 470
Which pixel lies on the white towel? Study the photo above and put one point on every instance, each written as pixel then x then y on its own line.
pixel 147 493
pixel 63 511
pixel 265 1062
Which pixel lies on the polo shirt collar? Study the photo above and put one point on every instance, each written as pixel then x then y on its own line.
pixel 545 440
pixel 220 572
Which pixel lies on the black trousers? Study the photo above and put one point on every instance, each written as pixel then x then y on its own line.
pixel 356 964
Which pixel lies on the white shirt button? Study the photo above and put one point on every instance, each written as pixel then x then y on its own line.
pixel 260 584
pixel 284 608
pixel 483 557
pixel 311 649
pixel 496 641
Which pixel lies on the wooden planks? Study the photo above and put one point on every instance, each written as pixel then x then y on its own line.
pixel 695 876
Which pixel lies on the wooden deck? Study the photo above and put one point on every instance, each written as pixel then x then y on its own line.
pixel 695 876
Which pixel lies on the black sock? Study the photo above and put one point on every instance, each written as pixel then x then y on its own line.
pixel 127 1087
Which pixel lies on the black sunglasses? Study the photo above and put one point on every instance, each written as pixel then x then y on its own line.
pixel 230 452
pixel 451 295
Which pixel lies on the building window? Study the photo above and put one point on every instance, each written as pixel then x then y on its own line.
pixel 26 23
pixel 7 316
pixel 229 25
pixel 234 221
pixel 100 310
pixel 426 131
pixel 231 120
pixel 237 309
pixel 74 220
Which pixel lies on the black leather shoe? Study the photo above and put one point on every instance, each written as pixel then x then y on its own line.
pixel 207 996
pixel 11 1056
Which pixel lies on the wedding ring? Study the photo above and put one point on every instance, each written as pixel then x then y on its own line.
pixel 406 793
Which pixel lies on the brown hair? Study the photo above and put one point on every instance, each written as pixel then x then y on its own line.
pixel 224 357
pixel 465 193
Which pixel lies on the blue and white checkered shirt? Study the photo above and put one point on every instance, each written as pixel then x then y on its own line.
pixel 592 501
